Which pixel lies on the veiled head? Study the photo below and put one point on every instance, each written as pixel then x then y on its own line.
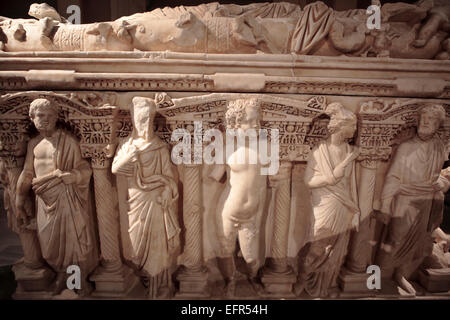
pixel 143 114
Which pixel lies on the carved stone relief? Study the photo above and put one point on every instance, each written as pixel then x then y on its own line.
pixel 418 31
pixel 155 189
pixel 101 124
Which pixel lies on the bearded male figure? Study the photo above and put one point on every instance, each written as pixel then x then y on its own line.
pixel 412 199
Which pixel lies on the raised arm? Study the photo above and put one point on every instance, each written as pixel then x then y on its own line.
pixel 124 161
pixel 314 178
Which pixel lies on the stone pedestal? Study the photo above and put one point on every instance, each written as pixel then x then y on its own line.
pixel 33 283
pixel 278 284
pixel 109 283
pixel 435 280
pixel 352 283
pixel 193 283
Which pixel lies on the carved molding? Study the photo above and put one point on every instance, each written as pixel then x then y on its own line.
pixel 94 119
pixel 169 71
pixel 377 88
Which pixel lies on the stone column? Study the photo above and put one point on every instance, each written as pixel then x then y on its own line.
pixel 278 276
pixel 33 278
pixel 112 278
pixel 193 276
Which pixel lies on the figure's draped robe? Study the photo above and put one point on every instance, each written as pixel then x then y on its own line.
pixel 151 239
pixel 65 223
pixel 334 208
pixel 415 208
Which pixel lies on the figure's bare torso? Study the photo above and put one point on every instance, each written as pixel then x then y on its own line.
pixel 43 154
pixel 246 183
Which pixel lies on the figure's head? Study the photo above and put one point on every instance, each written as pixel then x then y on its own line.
pixel 38 10
pixel 142 115
pixel 44 114
pixel 432 116
pixel 342 121
pixel 34 8
pixel 243 114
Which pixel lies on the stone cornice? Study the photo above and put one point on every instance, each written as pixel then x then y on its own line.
pixel 166 71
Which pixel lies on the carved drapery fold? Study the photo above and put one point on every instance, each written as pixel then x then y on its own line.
pixel 97 122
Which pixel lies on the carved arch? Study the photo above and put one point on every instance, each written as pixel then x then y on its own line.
pixel 293 118
pixel 386 123
pixel 91 117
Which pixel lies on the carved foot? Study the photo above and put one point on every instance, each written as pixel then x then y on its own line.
pixel 164 293
pixel 60 283
pixel 67 294
pixel 405 285
pixel 86 289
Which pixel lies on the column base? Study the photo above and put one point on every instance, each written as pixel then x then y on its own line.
pixel 113 284
pixel 354 284
pixel 193 283
pixel 435 280
pixel 278 284
pixel 33 283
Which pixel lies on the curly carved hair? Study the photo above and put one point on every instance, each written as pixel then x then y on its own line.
pixel 43 103
pixel 339 116
pixel 236 113
pixel 437 111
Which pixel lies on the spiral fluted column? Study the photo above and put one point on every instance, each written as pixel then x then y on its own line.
pixel 192 210
pixel 282 216
pixel 112 278
pixel 108 218
pixel 278 277
pixel 193 276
